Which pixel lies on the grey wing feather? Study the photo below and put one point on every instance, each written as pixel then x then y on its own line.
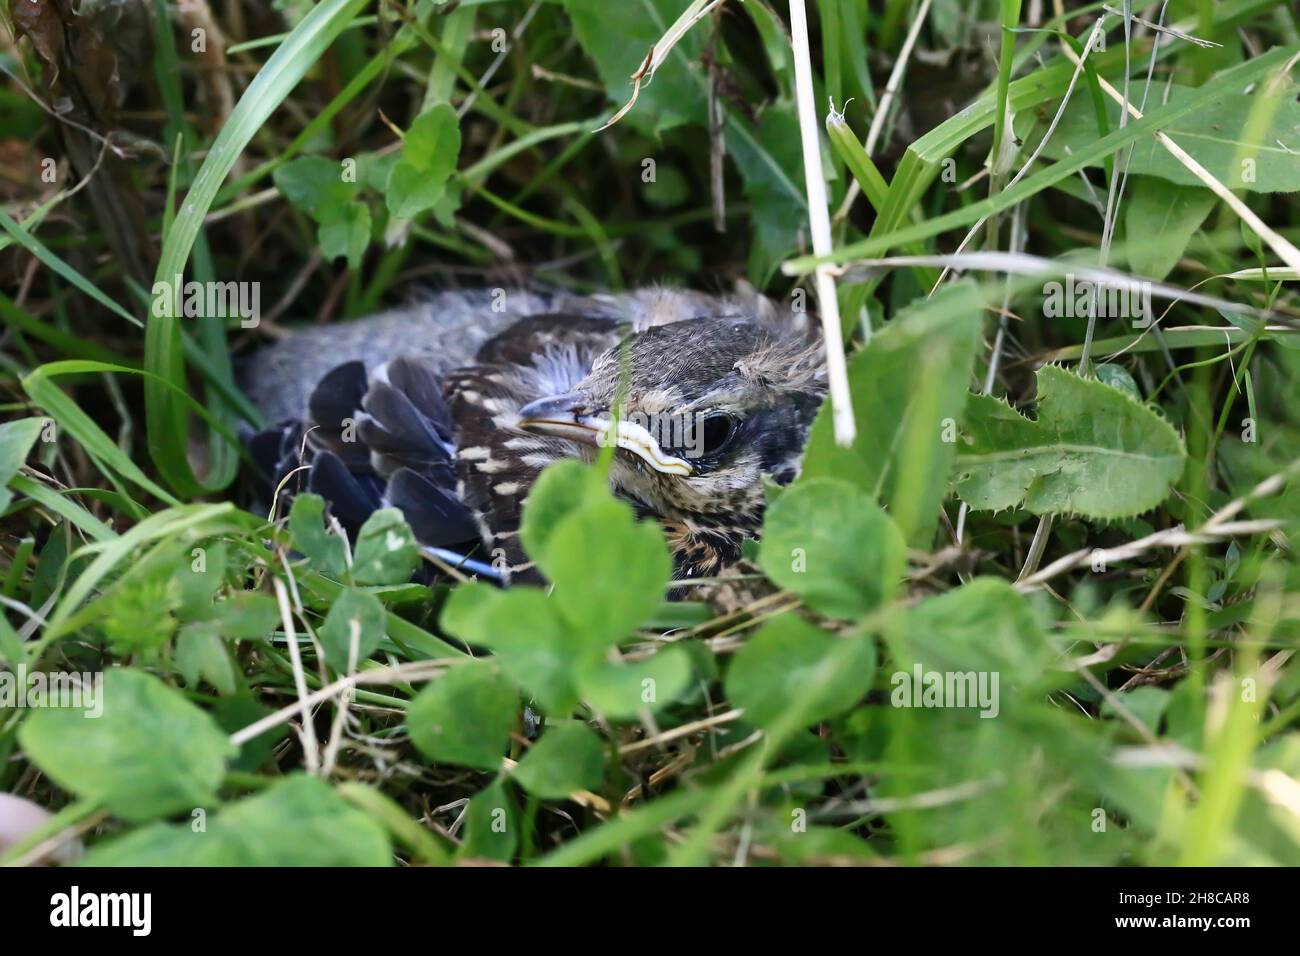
pixel 446 330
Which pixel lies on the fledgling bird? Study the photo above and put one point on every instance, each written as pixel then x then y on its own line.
pixel 450 410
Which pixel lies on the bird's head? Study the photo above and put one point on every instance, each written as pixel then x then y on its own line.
pixel 699 411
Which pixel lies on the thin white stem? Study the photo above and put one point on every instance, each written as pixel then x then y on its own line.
pixel 819 221
pixel 310 745
pixel 401 673
pixel 345 699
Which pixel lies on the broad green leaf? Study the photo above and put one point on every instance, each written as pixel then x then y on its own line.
pixel 199 574
pixel 151 753
pixel 677 94
pixel 769 162
pixel 465 716
pixel 547 657
pixel 1147 704
pixel 347 235
pixel 237 711
pixel 322 189
pixel 429 153
pixel 1118 377
pixel 298 821
pixel 568 757
pixel 52 566
pixel 327 552
pixel 201 655
pixel 558 492
pixel 1093 451
pixel 411 192
pixel 1160 219
pixel 827 541
pixel 909 385
pixel 491 825
pixel 318 186
pixel 609 570
pixel 623 691
pixel 386 552
pixel 767 152
pixel 11 646
pixel 353 612
pixel 245 616
pixel 1219 134
pixel 981 627
pixel 16 440
pixel 787 664
pixel 525 633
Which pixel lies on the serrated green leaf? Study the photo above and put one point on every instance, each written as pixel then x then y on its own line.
pixel 151 752
pixel 465 716
pixel 1093 450
pixel 138 616
pixel 827 541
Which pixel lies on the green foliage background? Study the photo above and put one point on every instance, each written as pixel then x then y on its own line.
pixel 1089 527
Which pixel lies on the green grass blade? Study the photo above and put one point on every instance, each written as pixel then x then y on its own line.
pixel 165 412
pixel 1117 139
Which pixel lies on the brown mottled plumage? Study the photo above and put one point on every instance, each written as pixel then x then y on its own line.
pixel 703 396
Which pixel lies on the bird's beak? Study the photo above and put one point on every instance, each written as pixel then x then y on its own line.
pixel 572 417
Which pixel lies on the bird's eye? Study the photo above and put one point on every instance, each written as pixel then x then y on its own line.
pixel 717 430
